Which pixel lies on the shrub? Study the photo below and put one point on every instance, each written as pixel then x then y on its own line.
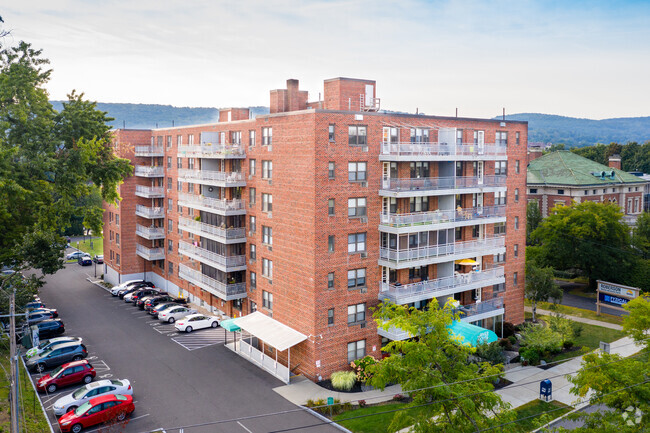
pixel 512 339
pixel 508 329
pixel 577 328
pixel 398 397
pixel 343 380
pixel 540 339
pixel 492 353
pixel 568 344
pixel 360 366
pixel 362 403
pixel 346 406
pixel 530 355
pixel 562 326
pixel 505 343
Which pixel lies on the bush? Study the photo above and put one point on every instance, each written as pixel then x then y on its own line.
pixel 529 355
pixel 540 339
pixel 505 343
pixel 562 326
pixel 512 339
pixel 360 366
pixel 568 344
pixel 492 353
pixel 398 397
pixel 362 403
pixel 343 380
pixel 508 329
pixel 577 328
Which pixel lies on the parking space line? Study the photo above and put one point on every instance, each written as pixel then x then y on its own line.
pixel 242 426
pixel 203 338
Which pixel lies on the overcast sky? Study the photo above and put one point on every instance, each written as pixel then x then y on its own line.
pixel 571 57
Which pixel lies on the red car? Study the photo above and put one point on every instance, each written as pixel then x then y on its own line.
pixel 106 408
pixel 67 374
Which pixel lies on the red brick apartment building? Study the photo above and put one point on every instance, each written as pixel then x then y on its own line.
pixel 315 212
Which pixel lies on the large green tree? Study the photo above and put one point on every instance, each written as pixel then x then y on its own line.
pixel 533 219
pixel 540 286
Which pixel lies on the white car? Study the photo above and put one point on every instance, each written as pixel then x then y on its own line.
pixel 47 344
pixel 92 390
pixel 173 314
pixel 119 287
pixel 196 321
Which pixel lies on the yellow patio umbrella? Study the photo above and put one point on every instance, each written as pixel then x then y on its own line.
pixel 467 262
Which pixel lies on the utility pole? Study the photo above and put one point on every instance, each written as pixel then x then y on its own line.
pixel 12 359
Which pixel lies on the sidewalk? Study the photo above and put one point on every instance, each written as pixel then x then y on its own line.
pixel 302 389
pixel 579 319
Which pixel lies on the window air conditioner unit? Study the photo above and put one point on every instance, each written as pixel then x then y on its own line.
pixel 364 255
pixel 363 290
pixel 364 148
pixel 363 325
pixel 250 176
pixel 364 184
pixel 270 182
pixel 364 219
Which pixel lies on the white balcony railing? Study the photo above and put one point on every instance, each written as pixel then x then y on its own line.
pixel 149 151
pixel 149 212
pixel 406 293
pixel 442 149
pixel 149 171
pixel 221 177
pixel 487 306
pixel 202 229
pixel 213 151
pixel 149 191
pixel 211 204
pixel 211 258
pixel 149 232
pixel 227 292
pixel 441 216
pixel 440 183
pixel 150 253
pixel 476 246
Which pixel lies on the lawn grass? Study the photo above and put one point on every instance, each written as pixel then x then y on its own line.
pixel 578 312
pixel 97 247
pixel 375 423
pixel 577 280
pixel 537 407
pixel 581 291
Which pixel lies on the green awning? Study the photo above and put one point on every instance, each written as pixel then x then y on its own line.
pixel 229 325
pixel 472 334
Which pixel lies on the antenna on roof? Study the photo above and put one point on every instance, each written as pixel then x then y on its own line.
pixel 172 123
pixel 456 111
pixel 124 124
pixel 504 113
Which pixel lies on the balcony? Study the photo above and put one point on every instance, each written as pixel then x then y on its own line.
pixel 215 178
pixel 410 257
pixel 149 151
pixel 150 253
pixel 149 212
pixel 406 187
pixel 407 293
pixel 149 171
pixel 218 261
pixel 149 191
pixel 213 205
pixel 219 234
pixel 219 151
pixel 433 151
pixel 227 292
pixel 440 219
pixel 150 233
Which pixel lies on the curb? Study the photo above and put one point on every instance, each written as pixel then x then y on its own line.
pixel 47 418
pixel 324 418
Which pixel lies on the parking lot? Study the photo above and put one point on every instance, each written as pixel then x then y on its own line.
pixel 179 380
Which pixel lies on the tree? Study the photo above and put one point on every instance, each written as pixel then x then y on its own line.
pixel 588 236
pixel 641 234
pixel 540 286
pixel 533 218
pixel 435 360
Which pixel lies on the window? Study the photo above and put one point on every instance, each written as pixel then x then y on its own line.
pixel 517 135
pixel 235 137
pixel 516 223
pixel 534 191
pixel 515 250
pixel 419 169
pixel 356 207
pixel 498 288
pixel 267 202
pixel 500 198
pixel 516 195
pixel 180 209
pixel 252 194
pixel 267 299
pixel 190 188
pixel 253 281
pixel 330 317
pixel 252 224
pixel 330 280
pixel 561 191
pixel 330 132
pixel 110 216
pixel 190 139
pixel 267 235
pixel 356 278
pixel 190 163
pixel 459 137
pixel 356 350
pixel 169 184
pixel 515 276
pixel 253 252
pixel 251 167
pixel 179 140
pixel 253 307
pixel 267 169
pixel 356 243
pixel 251 138
pixel 356 314
pixel 418 135
pixel 169 162
pixel 169 141
pixel 160 141
pixel 117 238
pixel 476 231
pixel 179 162
pixel 357 171
pixel 117 259
pixel 267 136
pixel 499 258
pixel 500 168
pixel 357 135
pixel 331 169
pixel 179 186
pixel 330 207
pixel 416 204
pixel 501 138
pixel 500 228
pixel 267 268
pixel 517 166
pixel 170 246
pixel 117 219
pixel 330 243
pixel 170 204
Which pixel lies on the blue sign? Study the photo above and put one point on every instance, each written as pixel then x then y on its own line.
pixel 612 300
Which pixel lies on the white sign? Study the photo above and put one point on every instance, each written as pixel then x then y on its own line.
pixel 318 363
pixel 628 292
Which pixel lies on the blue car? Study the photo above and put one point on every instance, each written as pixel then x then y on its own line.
pixel 85 260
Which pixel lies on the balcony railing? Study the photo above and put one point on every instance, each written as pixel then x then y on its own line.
pixel 202 229
pixel 149 232
pixel 147 171
pixel 441 216
pixel 211 258
pixel 440 183
pixel 227 292
pixel 149 151
pixel 487 306
pixel 442 149
pixel 212 177
pixel 404 294
pixel 150 253
pixel 213 151
pixel 476 246
pixel 211 204
pixel 149 191
pixel 149 212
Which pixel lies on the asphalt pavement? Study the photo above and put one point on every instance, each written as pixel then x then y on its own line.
pixel 576 301
pixel 177 382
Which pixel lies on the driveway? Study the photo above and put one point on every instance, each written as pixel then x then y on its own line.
pixel 576 301
pixel 178 380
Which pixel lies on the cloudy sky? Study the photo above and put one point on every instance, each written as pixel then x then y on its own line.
pixel 570 57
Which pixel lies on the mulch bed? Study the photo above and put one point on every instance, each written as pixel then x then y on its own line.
pixel 327 384
pixel 502 383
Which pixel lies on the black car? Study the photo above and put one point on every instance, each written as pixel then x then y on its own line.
pixel 150 303
pixel 50 328
pixel 133 288
pixel 85 260
pixel 144 293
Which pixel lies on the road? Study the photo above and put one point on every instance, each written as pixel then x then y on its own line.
pixel 576 301
pixel 177 381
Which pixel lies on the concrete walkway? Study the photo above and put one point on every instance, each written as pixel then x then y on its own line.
pixel 302 389
pixel 578 319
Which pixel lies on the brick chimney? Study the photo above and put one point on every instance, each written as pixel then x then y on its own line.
pixel 615 161
pixel 534 153
pixel 289 99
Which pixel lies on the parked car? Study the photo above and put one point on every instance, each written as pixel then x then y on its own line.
pixel 53 311
pixel 137 294
pixel 32 305
pixel 97 411
pixel 160 299
pixel 85 260
pixel 47 344
pixel 67 374
pixel 196 321
pixel 57 355
pixel 75 255
pixel 124 285
pixel 49 328
pixel 171 315
pixel 85 393
pixel 34 318
pixel 142 299
pixel 161 307
pixel 122 293
pixel 99 258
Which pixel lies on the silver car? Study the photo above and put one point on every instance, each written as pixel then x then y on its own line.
pixel 48 344
pixel 92 390
pixel 171 315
